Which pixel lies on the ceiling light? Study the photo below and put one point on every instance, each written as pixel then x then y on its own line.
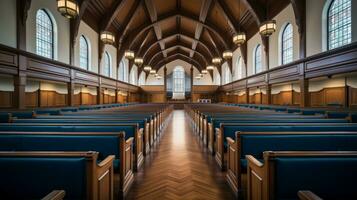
pixel 147 68
pixel 198 77
pixel 68 8
pixel 216 60
pixel 227 54
pixel 129 54
pixel 204 71
pixel 107 37
pixel 138 61
pixel 210 67
pixel 239 38
pixel 152 71
pixel 267 28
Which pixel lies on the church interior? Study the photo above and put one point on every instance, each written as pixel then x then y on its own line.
pixel 178 99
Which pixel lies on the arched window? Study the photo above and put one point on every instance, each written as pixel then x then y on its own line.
pixel 238 71
pixel 287 44
pixel 107 64
pixel 227 77
pixel 258 59
pixel 134 75
pixel 339 23
pixel 122 72
pixel 44 34
pixel 179 80
pixel 83 53
pixel 141 80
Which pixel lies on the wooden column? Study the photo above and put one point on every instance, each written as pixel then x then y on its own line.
pixel 265 41
pixel 247 95
pixel 99 92
pixel 70 89
pixel 165 83
pixel 19 97
pixel 268 93
pixel 191 82
pixel 304 93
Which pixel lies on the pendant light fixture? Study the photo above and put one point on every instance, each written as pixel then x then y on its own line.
pixel 129 54
pixel 107 37
pixel 210 67
pixel 68 8
pixel 228 54
pixel 216 60
pixel 147 68
pixel 139 61
pixel 240 37
pixel 268 27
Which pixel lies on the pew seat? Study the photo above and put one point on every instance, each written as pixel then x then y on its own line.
pixel 330 174
pixel 32 175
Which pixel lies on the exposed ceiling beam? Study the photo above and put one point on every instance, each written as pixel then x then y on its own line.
pixel 189 16
pixel 151 11
pixel 179 46
pixel 257 10
pixel 205 8
pixel 110 16
pixel 74 24
pixel 152 45
pixel 177 56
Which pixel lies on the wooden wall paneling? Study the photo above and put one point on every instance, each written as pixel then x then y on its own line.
pixel 317 99
pixel 352 97
pixel 31 99
pixel 296 98
pixel 335 96
pixel 6 99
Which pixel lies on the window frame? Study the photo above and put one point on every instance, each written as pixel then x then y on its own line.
pixel 255 58
pixel 52 34
pixel 329 28
pixel 181 80
pixel 80 52
pixel 109 59
pixel 283 40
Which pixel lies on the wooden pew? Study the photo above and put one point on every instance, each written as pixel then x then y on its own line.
pixel 131 130
pixel 229 130
pixel 32 175
pixel 106 144
pixel 308 195
pixel 255 143
pixel 55 195
pixel 331 174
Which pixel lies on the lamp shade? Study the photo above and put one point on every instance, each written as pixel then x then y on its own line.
pixel 267 28
pixel 210 67
pixel 239 38
pixel 204 71
pixel 152 71
pixel 138 61
pixel 216 60
pixel 68 8
pixel 147 68
pixel 129 54
pixel 227 54
pixel 107 37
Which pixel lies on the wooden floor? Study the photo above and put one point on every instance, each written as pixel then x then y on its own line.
pixel 179 169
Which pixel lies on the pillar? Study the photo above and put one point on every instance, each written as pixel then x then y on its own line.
pixel 304 93
pixel 165 83
pixel 268 93
pixel 191 82
pixel 247 95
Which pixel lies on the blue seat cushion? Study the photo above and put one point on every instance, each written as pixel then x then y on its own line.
pixel 34 178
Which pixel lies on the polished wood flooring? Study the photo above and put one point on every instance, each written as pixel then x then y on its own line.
pixel 178 168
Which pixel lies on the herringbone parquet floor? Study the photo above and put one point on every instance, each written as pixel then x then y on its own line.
pixel 179 169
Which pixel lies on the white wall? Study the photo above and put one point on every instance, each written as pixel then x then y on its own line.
pixel 113 54
pixel 92 39
pixel 315 33
pixel 216 77
pixel 8 23
pixel 62 24
pixel 282 19
pixel 205 80
pixel 7 83
pixel 316 85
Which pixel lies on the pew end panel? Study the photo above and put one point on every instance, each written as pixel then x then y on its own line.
pixel 256 184
pixel 55 195
pixel 219 148
pixel 205 132
pixel 105 178
pixel 211 138
pixel 147 138
pixel 233 166
pixel 308 195
pixel 139 147
pixel 127 167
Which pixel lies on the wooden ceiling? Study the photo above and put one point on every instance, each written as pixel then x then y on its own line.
pixel 161 31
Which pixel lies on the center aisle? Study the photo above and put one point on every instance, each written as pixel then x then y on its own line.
pixel 179 169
